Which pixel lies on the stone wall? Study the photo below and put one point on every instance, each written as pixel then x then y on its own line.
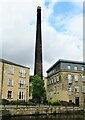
pixel 15 111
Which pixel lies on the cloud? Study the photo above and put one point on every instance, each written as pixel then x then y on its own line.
pixel 58 45
pixel 19 34
pixel 66 43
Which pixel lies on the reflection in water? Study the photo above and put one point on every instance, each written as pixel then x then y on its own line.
pixel 50 117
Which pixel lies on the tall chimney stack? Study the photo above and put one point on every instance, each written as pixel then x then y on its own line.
pixel 38 70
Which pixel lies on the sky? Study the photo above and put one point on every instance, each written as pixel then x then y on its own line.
pixel 62 31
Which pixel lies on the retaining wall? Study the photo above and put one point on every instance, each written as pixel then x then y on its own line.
pixel 36 110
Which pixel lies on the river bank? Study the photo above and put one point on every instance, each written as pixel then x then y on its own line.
pixel 39 110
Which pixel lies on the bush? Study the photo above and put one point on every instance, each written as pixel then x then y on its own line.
pixel 5 102
pixel 21 102
pixel 65 103
pixel 54 102
pixel 13 102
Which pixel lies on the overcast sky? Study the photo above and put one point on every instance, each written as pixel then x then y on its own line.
pixel 62 31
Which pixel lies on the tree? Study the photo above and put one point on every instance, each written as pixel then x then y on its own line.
pixel 38 90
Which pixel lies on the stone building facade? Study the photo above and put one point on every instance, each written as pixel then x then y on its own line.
pixel 66 82
pixel 14 81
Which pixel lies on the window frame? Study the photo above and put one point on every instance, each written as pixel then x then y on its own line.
pixel 22 73
pixel 21 96
pixel 69 67
pixel 69 77
pixel 22 83
pixel 69 90
pixel 10 80
pixel 11 69
pixel 76 79
pixel 76 88
pixel 75 68
pixel 82 68
pixel 9 95
pixel 57 77
pixel 83 78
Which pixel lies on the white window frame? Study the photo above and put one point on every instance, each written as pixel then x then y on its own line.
pixel 83 78
pixel 76 77
pixel 82 68
pixel 75 68
pixel 69 78
pixel 22 83
pixel 11 70
pixel 11 94
pixel 57 78
pixel 10 80
pixel 69 67
pixel 69 90
pixel 22 73
pixel 54 79
pixel 76 89
pixel 22 95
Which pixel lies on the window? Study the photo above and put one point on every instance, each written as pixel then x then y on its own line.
pixel 70 101
pixel 82 68
pixel 75 68
pixel 83 78
pixel 69 90
pixel 83 89
pixel 50 81
pixel 76 77
pixel 21 83
pixel 9 95
pixel 11 70
pixel 21 95
pixel 69 67
pixel 10 82
pixel 76 88
pixel 54 79
pixel 57 78
pixel 22 73
pixel 69 78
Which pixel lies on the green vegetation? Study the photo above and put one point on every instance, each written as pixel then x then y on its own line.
pixel 13 102
pixel 54 102
pixel 5 102
pixel 38 90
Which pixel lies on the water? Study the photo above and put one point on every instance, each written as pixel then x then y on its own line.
pixel 50 117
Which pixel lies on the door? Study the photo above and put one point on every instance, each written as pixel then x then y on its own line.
pixel 77 101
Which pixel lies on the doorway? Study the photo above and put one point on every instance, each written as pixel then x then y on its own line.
pixel 77 101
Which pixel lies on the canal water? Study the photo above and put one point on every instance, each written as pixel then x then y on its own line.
pixel 50 117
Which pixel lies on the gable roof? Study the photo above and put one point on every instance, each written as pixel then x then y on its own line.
pixel 12 63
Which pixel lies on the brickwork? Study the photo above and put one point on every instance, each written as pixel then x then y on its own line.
pixel 15 80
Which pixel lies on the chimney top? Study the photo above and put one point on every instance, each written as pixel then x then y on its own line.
pixel 38 8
